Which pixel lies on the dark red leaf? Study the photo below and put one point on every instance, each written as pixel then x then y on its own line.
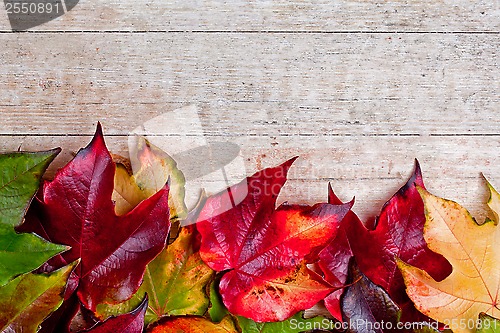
pixel 71 316
pixel 266 249
pixel 132 322
pixel 366 307
pixel 334 259
pixel 398 233
pixel 76 210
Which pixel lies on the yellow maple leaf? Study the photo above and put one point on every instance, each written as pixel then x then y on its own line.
pixel 474 252
pixel 154 168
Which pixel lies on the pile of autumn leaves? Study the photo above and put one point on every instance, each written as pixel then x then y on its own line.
pixel 90 254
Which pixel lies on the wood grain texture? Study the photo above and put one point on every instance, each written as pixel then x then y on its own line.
pixel 259 84
pixel 358 89
pixel 279 15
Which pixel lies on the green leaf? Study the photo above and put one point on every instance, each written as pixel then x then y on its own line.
pixel 175 282
pixel 28 299
pixel 19 181
pixel 488 324
pixel 217 311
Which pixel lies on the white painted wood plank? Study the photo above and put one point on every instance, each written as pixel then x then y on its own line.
pixel 357 107
pixel 252 84
pixel 280 15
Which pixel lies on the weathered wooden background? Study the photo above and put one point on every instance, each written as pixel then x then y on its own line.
pixel 357 88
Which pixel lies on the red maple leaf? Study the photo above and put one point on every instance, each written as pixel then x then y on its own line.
pixel 398 232
pixel 76 209
pixel 334 259
pixel 264 249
